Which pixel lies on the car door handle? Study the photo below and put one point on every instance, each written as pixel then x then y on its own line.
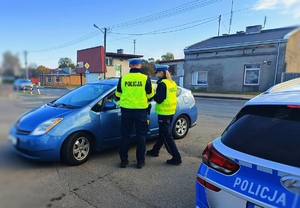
pixel 291 183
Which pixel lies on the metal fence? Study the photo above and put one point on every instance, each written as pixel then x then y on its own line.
pixel 288 76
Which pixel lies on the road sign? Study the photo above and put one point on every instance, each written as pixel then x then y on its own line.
pixel 87 71
pixel 86 65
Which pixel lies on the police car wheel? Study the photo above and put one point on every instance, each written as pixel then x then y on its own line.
pixel 76 149
pixel 180 127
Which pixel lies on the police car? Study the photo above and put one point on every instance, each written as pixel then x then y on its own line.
pixel 255 162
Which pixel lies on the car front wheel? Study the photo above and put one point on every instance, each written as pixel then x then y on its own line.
pixel 180 127
pixel 76 149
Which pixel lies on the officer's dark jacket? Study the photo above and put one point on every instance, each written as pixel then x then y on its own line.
pixel 161 91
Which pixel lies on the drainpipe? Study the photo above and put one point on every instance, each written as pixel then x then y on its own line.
pixel 277 60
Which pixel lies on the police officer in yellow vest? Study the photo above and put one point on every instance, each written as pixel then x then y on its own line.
pixel 134 89
pixel 166 102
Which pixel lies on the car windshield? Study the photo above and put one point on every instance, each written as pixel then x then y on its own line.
pixel 81 96
pixel 266 131
pixel 25 81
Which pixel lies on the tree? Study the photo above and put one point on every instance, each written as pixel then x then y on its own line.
pixel 32 70
pixel 11 65
pixel 43 70
pixel 151 60
pixel 66 62
pixel 167 56
pixel 147 67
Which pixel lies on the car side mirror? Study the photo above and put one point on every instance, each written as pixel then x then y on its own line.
pixel 109 106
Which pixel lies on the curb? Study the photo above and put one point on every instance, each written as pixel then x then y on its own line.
pixel 227 96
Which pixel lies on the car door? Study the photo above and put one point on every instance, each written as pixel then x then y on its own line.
pixel 110 121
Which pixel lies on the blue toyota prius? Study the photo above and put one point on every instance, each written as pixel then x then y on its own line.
pixel 84 120
pixel 255 162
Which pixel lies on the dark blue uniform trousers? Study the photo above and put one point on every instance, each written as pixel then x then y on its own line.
pixel 165 137
pixel 128 117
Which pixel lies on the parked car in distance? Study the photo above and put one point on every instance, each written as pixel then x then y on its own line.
pixel 255 162
pixel 19 84
pixel 84 120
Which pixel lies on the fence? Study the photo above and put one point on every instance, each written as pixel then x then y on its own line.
pixel 288 76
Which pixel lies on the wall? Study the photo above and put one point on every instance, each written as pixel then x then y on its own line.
pixel 226 68
pixel 292 57
pixel 111 70
pixel 94 57
pixel 68 80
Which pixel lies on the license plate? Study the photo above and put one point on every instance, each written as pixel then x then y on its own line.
pixel 13 139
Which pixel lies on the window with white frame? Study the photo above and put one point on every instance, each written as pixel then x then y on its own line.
pixel 109 61
pixel 199 78
pixel 251 74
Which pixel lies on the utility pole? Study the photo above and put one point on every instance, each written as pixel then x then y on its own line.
pixel 231 14
pixel 219 25
pixel 26 68
pixel 265 21
pixel 105 33
pixel 134 41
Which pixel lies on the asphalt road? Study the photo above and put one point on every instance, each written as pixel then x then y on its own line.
pixel 100 182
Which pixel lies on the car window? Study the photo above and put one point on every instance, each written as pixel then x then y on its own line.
pixel 267 131
pixel 84 95
pixel 113 98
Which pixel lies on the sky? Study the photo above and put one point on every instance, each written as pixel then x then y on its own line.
pixel 52 29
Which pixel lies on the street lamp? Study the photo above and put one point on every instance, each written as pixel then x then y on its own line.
pixel 104 32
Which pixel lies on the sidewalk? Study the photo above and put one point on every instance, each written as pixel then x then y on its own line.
pixel 222 96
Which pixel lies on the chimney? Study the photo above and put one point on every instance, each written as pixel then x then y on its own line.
pixel 120 51
pixel 253 29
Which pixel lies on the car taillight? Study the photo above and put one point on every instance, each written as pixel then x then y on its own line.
pixel 208 185
pixel 217 161
pixel 293 106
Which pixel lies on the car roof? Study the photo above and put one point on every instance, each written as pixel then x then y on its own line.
pixel 113 81
pixel 284 93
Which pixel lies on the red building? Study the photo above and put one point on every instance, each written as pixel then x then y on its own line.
pixel 94 57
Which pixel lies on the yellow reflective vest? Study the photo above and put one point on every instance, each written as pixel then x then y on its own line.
pixel 168 106
pixel 133 94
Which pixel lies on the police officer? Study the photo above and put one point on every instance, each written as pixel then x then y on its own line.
pixel 166 101
pixel 134 89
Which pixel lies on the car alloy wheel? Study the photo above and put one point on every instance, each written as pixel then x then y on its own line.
pixel 181 127
pixel 76 149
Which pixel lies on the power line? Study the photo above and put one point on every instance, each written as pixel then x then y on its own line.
pixel 157 31
pixel 150 18
pixel 96 33
pixel 164 14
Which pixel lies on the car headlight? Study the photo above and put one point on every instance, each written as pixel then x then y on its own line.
pixel 46 126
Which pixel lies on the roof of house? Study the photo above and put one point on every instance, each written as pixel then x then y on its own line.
pixel 123 55
pixel 242 38
pixel 170 61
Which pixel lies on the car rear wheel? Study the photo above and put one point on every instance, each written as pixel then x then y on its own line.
pixel 76 149
pixel 180 127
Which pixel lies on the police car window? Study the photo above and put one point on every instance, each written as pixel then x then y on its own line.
pixel 268 132
pixel 178 91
